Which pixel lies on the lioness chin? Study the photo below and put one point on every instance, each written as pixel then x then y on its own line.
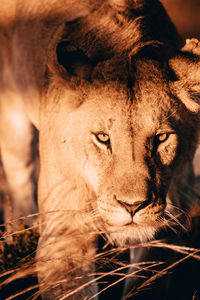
pixel 116 102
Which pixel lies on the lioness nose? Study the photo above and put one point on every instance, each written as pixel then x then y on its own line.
pixel 135 207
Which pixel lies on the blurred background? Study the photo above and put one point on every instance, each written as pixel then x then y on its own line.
pixel 186 16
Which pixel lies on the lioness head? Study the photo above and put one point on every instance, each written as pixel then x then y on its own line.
pixel 126 126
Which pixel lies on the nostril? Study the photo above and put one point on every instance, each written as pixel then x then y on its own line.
pixel 135 207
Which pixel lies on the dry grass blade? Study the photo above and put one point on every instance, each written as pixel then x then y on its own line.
pixel 31 288
pixel 106 258
pixel 139 266
pixel 124 277
pixel 165 271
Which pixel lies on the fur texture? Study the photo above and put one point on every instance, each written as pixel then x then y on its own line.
pixel 116 104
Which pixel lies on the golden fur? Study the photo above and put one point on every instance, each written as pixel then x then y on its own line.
pixel 116 105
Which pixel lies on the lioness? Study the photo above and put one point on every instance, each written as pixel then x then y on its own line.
pixel 116 105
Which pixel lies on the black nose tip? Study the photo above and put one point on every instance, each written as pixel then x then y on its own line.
pixel 133 208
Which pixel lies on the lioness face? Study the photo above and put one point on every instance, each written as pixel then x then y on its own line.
pixel 127 151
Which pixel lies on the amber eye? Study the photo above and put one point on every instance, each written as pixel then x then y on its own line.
pixel 103 138
pixel 161 138
pixel 158 140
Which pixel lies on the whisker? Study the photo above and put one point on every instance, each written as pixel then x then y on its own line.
pixel 175 219
pixel 176 208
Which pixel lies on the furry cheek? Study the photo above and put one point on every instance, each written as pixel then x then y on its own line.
pixel 168 149
pixel 92 176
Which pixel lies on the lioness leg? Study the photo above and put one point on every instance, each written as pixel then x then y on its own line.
pixel 16 153
pixel 65 266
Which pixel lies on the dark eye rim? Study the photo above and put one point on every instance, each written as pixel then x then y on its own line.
pixel 107 142
pixel 160 135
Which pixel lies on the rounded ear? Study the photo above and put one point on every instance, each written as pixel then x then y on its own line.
pixel 192 46
pixel 186 66
pixel 74 60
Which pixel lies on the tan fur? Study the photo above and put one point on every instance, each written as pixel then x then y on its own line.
pixel 125 80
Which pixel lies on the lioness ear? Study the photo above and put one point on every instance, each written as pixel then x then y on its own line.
pixel 74 60
pixel 187 68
